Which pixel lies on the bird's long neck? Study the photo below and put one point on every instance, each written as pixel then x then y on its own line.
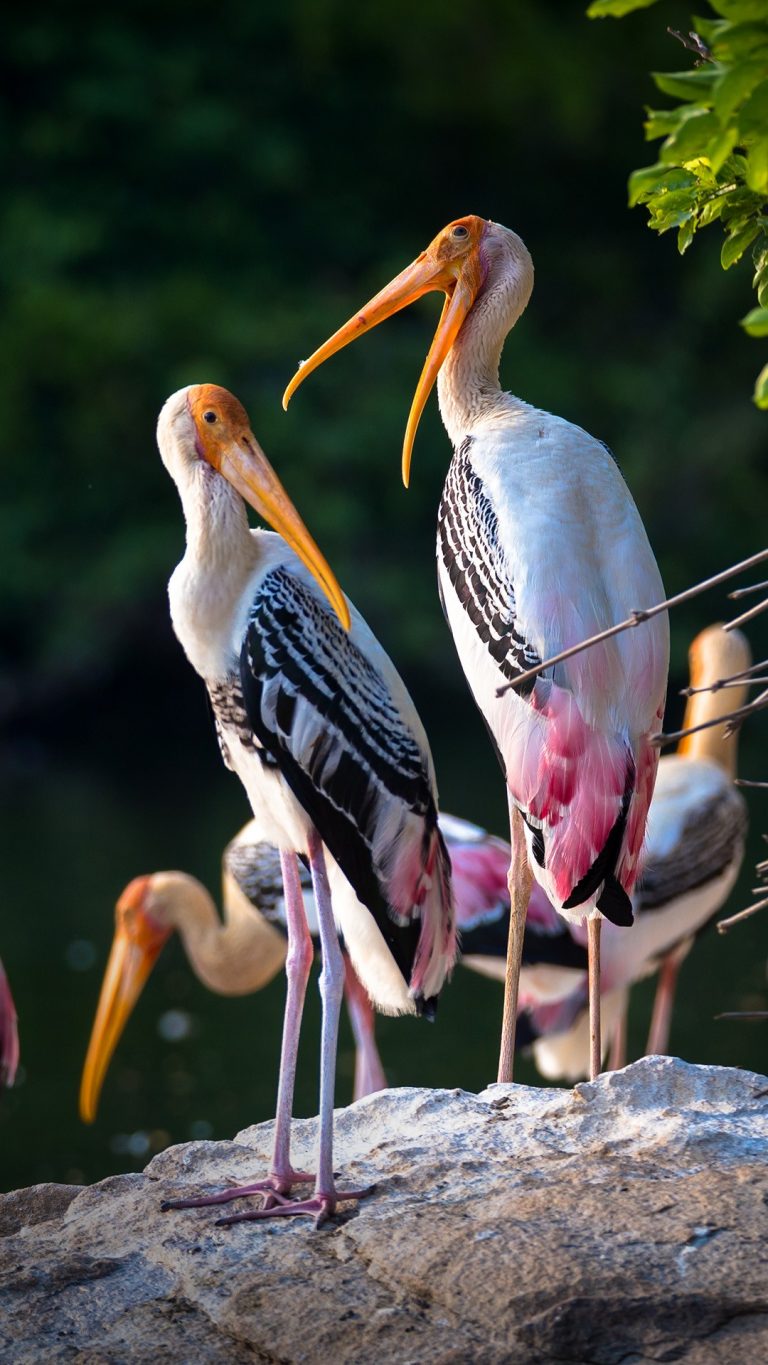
pixel 207 587
pixel 713 743
pixel 468 383
pixel 232 958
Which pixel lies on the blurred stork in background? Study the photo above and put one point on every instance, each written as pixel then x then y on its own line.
pixel 539 546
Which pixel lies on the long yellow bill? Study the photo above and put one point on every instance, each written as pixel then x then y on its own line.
pixel 136 946
pixel 452 263
pixel 226 441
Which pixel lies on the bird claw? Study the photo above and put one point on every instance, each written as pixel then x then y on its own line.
pixel 273 1187
pixel 321 1207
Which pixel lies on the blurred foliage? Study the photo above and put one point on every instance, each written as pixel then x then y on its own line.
pixel 713 164
pixel 194 194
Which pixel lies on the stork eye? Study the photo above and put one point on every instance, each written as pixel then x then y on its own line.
pixel 459 231
pixel 210 417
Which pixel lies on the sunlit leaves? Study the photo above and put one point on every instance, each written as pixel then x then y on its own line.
pixel 713 161
pixel 616 9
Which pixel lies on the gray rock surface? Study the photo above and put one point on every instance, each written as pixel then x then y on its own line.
pixel 622 1222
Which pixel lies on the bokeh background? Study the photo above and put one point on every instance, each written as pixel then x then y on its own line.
pixel 197 192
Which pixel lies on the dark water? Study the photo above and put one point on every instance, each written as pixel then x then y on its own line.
pixel 136 785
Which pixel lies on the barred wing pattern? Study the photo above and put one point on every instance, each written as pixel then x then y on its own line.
pixel 468 543
pixel 326 715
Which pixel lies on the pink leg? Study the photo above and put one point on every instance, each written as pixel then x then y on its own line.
pixel 297 966
pixel 323 1203
pixel 661 1019
pixel 594 925
pixel 369 1072
pixel 520 881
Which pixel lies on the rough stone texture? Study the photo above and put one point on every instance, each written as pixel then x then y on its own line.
pixel 622 1222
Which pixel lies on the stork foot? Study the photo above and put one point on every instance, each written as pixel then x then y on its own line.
pixel 321 1207
pixel 273 1187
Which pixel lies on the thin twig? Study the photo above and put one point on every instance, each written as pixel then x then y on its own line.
pixel 723 925
pixel 693 43
pixel 731 721
pixel 635 619
pixel 724 683
pixel 731 679
pixel 745 592
pixel 748 782
pixel 745 1014
pixel 746 616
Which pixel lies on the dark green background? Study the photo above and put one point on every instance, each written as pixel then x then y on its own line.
pixel 196 192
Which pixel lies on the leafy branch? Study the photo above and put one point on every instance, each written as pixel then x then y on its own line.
pixel 713 160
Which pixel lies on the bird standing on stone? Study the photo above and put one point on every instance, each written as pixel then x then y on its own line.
pixel 539 546
pixel 316 722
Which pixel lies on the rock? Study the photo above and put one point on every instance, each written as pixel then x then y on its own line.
pixel 623 1221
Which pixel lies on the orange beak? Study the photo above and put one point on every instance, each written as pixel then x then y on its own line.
pixel 458 271
pixel 244 465
pixel 135 949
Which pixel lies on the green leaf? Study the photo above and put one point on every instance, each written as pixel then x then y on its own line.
pixel 672 210
pixel 753 115
pixel 741 42
pixel 756 322
pixel 686 85
pixel 711 211
pixel 691 138
pixel 733 86
pixel 662 122
pixel 719 147
pixel 685 234
pixel 650 180
pixel 760 395
pixel 616 9
pixel 737 242
pixel 757 166
pixel 740 11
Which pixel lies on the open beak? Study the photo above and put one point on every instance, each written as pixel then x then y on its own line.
pixel 135 950
pixel 244 465
pixel 460 280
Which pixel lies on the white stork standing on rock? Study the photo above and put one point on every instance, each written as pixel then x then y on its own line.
pixel 539 546
pixel 314 719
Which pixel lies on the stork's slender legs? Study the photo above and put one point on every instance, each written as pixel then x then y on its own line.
pixel 323 1203
pixel 369 1072
pixel 594 924
pixel 520 881
pixel 297 967
pixel 661 1019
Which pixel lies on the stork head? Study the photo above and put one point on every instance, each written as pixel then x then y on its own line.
pixel 715 654
pixel 144 920
pixel 206 425
pixel 457 263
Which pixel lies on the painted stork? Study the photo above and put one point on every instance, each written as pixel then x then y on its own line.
pixel 314 719
pixel 236 956
pixel 9 1033
pixel 539 546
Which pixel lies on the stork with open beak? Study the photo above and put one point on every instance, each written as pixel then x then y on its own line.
pixel 317 724
pixel 539 546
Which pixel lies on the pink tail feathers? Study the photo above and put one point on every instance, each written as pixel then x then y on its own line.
pixel 436 950
pixel 573 780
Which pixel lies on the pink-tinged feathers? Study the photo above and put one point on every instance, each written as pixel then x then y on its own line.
pixel 419 884
pixel 9 1033
pixel 481 889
